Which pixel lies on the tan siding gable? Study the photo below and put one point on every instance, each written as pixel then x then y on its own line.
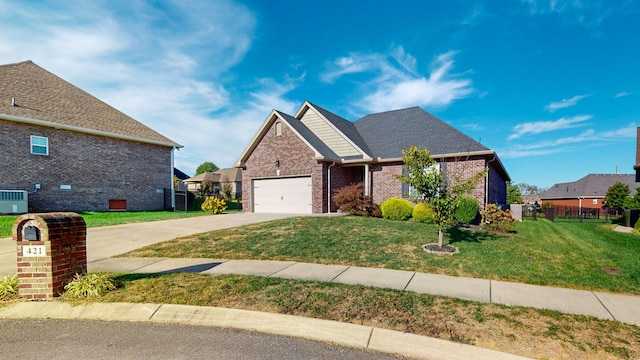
pixel 334 139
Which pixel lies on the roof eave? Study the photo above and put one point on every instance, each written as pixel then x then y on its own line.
pixel 79 129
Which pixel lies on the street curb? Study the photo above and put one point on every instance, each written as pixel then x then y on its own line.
pixel 333 332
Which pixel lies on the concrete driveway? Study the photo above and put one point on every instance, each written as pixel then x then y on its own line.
pixel 105 242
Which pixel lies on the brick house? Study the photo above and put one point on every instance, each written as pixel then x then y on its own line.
pixel 588 192
pixel 73 152
pixel 294 162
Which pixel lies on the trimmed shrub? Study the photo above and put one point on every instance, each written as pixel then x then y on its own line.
pixel 423 212
pixel 467 210
pixel 351 200
pixel 214 205
pixel 396 209
pixel 496 219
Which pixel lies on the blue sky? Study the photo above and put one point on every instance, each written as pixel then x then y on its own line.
pixel 553 86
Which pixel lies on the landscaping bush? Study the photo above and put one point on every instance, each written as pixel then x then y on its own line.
pixel 496 219
pixel 423 212
pixel 8 287
pixel 351 200
pixel 467 210
pixel 396 209
pixel 214 205
pixel 88 285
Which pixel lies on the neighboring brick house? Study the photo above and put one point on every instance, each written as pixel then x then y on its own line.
pixel 73 152
pixel 294 163
pixel 588 192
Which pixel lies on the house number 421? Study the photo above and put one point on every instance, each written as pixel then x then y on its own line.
pixel 34 250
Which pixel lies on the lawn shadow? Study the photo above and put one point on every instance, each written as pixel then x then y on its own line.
pixel 460 234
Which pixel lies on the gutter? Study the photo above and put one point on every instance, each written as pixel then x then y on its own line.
pixel 79 129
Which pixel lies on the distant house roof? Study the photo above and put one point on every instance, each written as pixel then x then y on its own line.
pixel 31 94
pixel 590 186
pixel 377 137
pixel 219 176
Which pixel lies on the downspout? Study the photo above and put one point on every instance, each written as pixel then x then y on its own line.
pixel 173 190
pixel 329 186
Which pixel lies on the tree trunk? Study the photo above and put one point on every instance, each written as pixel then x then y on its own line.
pixel 440 238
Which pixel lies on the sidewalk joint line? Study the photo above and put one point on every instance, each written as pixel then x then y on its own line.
pixel 341 272
pixel 409 282
pixel 604 306
pixel 284 268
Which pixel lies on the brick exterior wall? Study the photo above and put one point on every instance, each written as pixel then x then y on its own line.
pixel 463 170
pixel 497 187
pixel 383 181
pixel 295 158
pixel 97 169
pixel 64 238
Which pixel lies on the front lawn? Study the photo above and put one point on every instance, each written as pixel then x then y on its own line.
pixel 567 254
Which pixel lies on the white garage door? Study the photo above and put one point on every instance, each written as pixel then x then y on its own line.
pixel 286 195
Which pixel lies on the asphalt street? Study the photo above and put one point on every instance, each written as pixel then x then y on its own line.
pixel 93 339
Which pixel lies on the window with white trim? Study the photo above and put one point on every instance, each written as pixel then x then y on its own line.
pixel 595 201
pixel 411 192
pixel 278 128
pixel 39 145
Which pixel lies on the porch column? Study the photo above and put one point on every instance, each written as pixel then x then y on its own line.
pixel 367 180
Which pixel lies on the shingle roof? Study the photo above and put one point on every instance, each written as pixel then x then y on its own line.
pixel 41 95
pixel 387 133
pixel 592 185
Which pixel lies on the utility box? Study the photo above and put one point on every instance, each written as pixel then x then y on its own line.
pixel 14 202
pixel 51 249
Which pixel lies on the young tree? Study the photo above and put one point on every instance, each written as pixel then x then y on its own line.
pixel 616 196
pixel 421 173
pixel 206 166
pixel 428 183
pixel 513 194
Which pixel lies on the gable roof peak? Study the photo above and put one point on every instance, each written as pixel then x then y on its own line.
pixel 45 99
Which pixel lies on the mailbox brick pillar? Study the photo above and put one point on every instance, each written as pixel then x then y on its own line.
pixel 51 249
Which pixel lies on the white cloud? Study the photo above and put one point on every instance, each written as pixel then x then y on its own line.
pixel 623 94
pixel 569 143
pixel 166 65
pixel 565 103
pixel 538 127
pixel 586 13
pixel 394 81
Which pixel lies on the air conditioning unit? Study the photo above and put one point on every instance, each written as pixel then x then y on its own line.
pixel 14 202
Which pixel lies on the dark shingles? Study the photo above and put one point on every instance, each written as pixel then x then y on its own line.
pixel 592 185
pixel 387 133
pixel 41 95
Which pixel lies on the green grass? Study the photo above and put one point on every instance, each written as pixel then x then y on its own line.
pixel 567 254
pixel 97 219
pixel 517 330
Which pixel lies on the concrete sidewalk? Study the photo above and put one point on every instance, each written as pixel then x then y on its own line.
pixel 608 306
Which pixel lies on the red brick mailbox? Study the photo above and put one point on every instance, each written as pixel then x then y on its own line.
pixel 52 248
